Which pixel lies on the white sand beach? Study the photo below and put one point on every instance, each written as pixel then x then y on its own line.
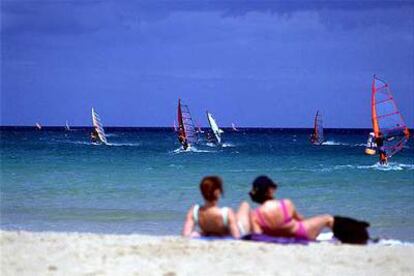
pixel 28 253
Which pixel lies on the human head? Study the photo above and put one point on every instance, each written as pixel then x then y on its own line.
pixel 211 188
pixel 262 189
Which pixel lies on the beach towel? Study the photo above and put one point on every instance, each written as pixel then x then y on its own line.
pixel 271 239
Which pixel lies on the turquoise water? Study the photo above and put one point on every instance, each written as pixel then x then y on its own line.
pixel 57 180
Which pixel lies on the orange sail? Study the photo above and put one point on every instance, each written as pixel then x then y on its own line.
pixel 386 118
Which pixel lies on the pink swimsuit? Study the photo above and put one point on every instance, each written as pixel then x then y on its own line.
pixel 299 233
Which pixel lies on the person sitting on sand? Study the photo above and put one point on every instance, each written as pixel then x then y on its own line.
pixel 280 217
pixel 213 220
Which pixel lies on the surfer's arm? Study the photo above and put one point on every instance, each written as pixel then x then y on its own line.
pixel 188 224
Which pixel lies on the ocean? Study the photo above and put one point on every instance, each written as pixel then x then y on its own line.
pixel 57 180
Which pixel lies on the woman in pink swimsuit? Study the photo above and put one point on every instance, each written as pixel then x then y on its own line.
pixel 280 217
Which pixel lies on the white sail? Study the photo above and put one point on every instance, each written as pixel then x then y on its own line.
pixel 233 126
pixel 175 127
pixel 39 127
pixel 67 126
pixel 96 120
pixel 214 127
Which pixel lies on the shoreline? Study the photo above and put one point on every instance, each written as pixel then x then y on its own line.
pixel 50 253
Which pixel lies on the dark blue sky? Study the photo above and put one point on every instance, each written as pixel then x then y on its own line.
pixel 250 62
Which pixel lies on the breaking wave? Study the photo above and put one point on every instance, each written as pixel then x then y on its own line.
pixel 334 143
pixel 190 150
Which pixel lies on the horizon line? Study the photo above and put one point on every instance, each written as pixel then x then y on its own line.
pixel 230 127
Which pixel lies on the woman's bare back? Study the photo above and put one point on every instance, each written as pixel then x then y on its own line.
pixel 280 218
pixel 274 219
pixel 211 221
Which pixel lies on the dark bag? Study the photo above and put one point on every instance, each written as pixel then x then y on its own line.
pixel 349 230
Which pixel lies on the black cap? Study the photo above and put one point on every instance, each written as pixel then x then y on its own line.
pixel 262 183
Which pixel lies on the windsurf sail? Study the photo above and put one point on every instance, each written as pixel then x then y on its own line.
pixel 386 118
pixel 39 127
pixel 96 120
pixel 317 136
pixel 233 126
pixel 214 127
pixel 187 134
pixel 67 125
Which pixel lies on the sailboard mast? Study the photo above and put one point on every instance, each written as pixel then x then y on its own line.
pixel 386 118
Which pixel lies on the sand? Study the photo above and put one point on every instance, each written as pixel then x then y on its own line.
pixel 29 253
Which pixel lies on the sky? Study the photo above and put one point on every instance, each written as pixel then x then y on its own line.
pixel 254 63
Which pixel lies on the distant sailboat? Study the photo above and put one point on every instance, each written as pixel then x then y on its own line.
pixel 187 134
pixel 175 127
pixel 99 134
pixel 67 126
pixel 387 119
pixel 38 126
pixel 214 127
pixel 233 126
pixel 317 137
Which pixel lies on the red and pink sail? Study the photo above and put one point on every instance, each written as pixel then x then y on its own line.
pixel 386 118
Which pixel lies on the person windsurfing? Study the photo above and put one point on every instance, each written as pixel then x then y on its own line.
pixel 317 137
pixel 186 134
pixel 379 140
pixel 210 138
pixel 312 138
pixel 95 136
pixel 391 131
pixel 183 140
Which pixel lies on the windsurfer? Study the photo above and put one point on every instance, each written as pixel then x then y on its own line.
pixel 313 138
pixel 210 138
pixel 94 136
pixel 316 137
pixel 379 140
pixel 183 140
